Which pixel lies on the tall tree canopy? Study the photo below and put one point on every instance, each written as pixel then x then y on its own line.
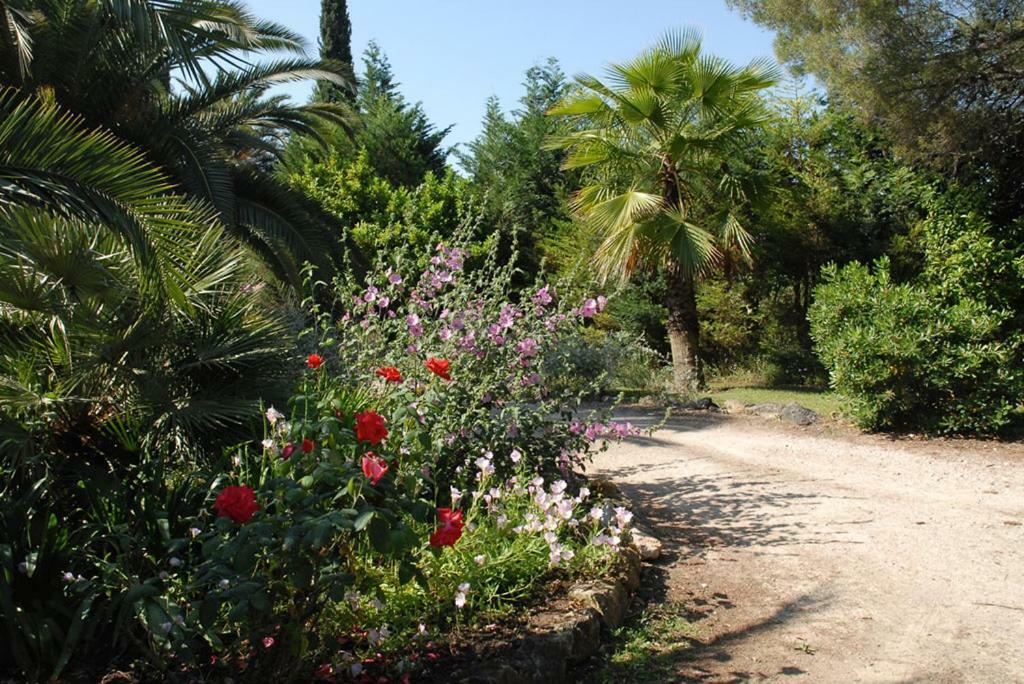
pixel 336 45
pixel 402 143
pixel 516 176
pixel 944 78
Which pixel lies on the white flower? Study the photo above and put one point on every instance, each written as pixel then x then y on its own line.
pixel 224 583
pixel 596 513
pixel 550 537
pixel 460 595
pixel 537 481
pixel 479 560
pixel 568 554
pixel 623 516
pixel 565 509
pixel 456 496
pixel 268 444
pixel 558 486
pixel 273 415
pixel 515 455
pixel 195 531
pixel 584 493
pixel 237 460
pixel 68 577
pixel 485 466
pixel 502 520
pixel 175 562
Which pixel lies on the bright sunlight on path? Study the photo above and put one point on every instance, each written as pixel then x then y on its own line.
pixel 844 558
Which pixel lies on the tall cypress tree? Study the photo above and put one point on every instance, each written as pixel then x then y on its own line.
pixel 336 44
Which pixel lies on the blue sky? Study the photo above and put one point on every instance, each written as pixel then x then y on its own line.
pixel 453 54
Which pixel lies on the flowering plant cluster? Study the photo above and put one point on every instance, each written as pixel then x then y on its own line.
pixel 462 365
pixel 425 470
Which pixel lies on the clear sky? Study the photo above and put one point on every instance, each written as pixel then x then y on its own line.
pixel 453 54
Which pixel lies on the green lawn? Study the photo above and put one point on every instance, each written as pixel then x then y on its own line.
pixel 825 402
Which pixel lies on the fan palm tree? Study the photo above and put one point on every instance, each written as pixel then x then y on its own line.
pixel 177 79
pixel 657 142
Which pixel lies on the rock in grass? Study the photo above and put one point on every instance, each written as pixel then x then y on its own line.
pixel 733 406
pixel 769 410
pixel 799 415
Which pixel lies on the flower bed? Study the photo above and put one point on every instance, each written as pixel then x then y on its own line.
pixel 422 480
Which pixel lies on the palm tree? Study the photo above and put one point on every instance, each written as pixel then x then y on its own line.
pixel 128 320
pixel 177 79
pixel 658 142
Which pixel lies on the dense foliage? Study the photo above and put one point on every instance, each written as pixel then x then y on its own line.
pixel 941 353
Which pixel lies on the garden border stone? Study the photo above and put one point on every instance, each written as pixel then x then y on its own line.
pixel 556 643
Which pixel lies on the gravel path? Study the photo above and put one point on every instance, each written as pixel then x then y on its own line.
pixel 814 554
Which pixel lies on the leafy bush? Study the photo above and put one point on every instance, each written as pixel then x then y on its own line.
pixel 380 216
pixel 909 357
pixel 398 488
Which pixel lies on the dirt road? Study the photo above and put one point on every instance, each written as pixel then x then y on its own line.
pixel 812 556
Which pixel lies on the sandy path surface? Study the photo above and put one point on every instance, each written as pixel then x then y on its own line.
pixel 810 556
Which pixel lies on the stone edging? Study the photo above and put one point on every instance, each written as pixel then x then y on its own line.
pixel 561 639
pixel 548 653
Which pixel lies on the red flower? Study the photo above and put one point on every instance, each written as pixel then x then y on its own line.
pixel 307 445
pixel 237 503
pixel 315 361
pixel 450 528
pixel 390 374
pixel 439 367
pixel 287 451
pixel 370 427
pixel 374 467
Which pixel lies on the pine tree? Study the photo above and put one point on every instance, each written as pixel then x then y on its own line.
pixel 402 144
pixel 336 44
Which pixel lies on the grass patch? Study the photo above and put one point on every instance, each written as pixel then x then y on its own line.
pixel 825 402
pixel 650 647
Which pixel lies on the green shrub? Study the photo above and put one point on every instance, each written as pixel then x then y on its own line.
pixel 910 358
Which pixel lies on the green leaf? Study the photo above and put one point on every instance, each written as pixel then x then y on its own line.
pixel 363 520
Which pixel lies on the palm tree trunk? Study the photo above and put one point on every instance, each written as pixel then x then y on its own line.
pixel 683 330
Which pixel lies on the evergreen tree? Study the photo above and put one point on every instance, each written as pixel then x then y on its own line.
pixel 336 44
pixel 401 142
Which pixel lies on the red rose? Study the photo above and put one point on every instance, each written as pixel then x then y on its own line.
pixel 315 361
pixel 439 367
pixel 237 503
pixel 307 445
pixel 287 451
pixel 374 467
pixel 450 528
pixel 370 427
pixel 390 374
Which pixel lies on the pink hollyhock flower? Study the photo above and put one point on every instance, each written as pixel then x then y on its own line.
pixel 589 308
